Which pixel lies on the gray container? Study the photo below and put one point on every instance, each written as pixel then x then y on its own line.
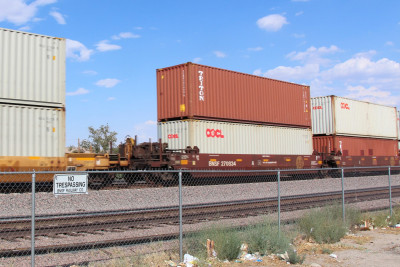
pixel 343 116
pixel 214 137
pixel 32 131
pixel 32 69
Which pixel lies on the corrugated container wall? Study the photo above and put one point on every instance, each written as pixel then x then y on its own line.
pixel 200 92
pixel 32 131
pixel 355 146
pixel 32 69
pixel 213 137
pixel 398 124
pixel 343 116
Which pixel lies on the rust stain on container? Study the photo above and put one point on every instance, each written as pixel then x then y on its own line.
pixel 355 146
pixel 224 95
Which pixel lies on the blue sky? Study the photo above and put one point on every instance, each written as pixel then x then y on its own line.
pixel 345 48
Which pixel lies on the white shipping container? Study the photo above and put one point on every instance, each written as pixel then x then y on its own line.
pixel 343 116
pixel 213 137
pixel 398 124
pixel 32 68
pixel 32 131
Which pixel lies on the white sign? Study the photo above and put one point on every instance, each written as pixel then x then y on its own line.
pixel 66 184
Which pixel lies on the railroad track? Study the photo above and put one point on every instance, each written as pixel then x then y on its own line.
pixel 80 224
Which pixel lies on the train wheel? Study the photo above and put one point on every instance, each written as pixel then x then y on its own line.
pixel 130 178
pixel 151 178
pixel 168 178
pixel 323 172
pixel 99 180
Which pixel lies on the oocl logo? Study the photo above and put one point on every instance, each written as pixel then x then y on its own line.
pixel 344 106
pixel 214 133
pixel 173 136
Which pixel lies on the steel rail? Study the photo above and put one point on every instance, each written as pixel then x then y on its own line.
pixel 138 219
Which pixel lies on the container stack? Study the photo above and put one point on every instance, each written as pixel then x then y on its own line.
pixel 398 128
pixel 353 128
pixel 227 112
pixel 32 95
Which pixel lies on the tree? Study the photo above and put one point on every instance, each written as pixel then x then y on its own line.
pixel 99 139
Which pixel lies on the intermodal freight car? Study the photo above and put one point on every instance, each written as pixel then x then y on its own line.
pixel 209 119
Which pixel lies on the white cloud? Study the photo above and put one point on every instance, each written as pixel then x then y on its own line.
pixel 389 43
pixel 104 46
pixel 111 98
pixel 314 55
pixel 358 77
pixel 369 54
pixel 19 12
pixel 255 49
pixel 258 72
pixel 89 72
pixel 364 70
pixel 146 130
pixel 25 28
pixel 78 51
pixel 298 35
pixel 372 94
pixel 80 91
pixel 138 28
pixel 272 23
pixel 125 35
pixel 299 13
pixel 197 59
pixel 219 54
pixel 108 83
pixel 305 72
pixel 58 17
pixel 37 19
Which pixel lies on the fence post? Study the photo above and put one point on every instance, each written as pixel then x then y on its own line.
pixel 390 193
pixel 279 203
pixel 180 219
pixel 33 220
pixel 343 208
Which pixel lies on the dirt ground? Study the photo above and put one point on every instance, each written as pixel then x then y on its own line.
pixel 365 248
pixel 378 247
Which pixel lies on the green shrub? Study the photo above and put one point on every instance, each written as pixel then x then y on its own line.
pixel 295 258
pixel 264 238
pixel 382 218
pixel 325 225
pixel 353 216
pixel 326 250
pixel 227 243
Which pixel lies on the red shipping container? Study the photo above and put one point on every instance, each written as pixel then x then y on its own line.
pixel 196 91
pixel 355 146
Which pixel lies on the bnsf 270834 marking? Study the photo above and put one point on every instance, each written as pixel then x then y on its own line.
pixel 223 163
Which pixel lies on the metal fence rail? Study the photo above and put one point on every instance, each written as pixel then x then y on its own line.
pixel 137 207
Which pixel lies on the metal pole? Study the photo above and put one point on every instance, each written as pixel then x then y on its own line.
pixel 33 220
pixel 180 219
pixel 279 203
pixel 390 193
pixel 343 210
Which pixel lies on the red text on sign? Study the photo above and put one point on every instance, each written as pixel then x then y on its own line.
pixel 214 133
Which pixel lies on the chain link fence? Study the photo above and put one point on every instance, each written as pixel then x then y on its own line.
pixel 127 213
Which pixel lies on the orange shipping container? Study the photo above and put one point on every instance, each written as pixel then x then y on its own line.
pixel 196 91
pixel 355 146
